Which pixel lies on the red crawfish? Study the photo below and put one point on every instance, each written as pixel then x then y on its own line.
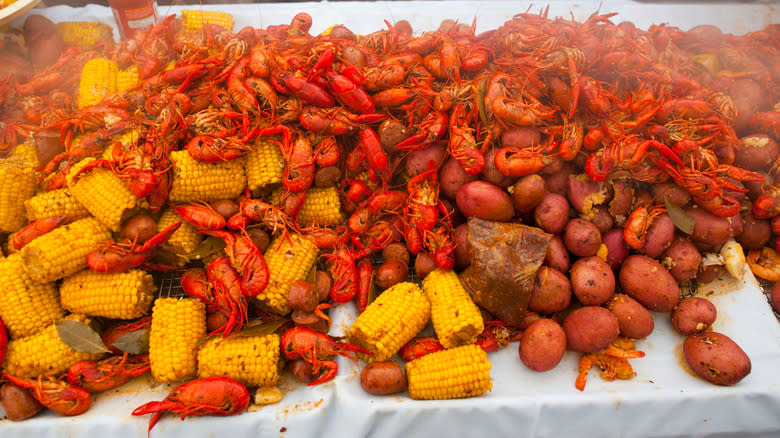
pixel 421 210
pixel 120 257
pixel 39 228
pixel 376 157
pixel 61 397
pixel 612 361
pixel 229 299
pixel 345 274
pixel 432 128
pixel 114 332
pixel 247 259
pixel 335 121
pixel 201 215
pixel 637 224
pixel 102 375
pixel 316 348
pixel 196 284
pixel 419 347
pixel 298 174
pixel 349 93
pixel 626 153
pixel 220 396
pixel 462 145
pixel 365 271
pixel 514 162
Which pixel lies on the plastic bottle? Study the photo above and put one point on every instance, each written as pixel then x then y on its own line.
pixel 133 15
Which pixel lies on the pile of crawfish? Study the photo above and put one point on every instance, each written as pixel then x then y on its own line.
pixel 538 95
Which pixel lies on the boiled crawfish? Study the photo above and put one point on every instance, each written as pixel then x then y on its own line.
pixel 126 255
pixel 315 348
pixel 61 397
pixel 105 374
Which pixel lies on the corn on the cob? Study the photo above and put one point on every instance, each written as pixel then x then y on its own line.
pixel 194 20
pixel 264 164
pixel 84 34
pixel 18 179
pixel 44 353
pixel 98 80
pixel 127 79
pixel 252 360
pixel 459 372
pixel 456 319
pixel 390 321
pixel 26 306
pixel 53 203
pixel 184 240
pixel 177 325
pixel 63 251
pixel 122 295
pixel 321 207
pixel 103 194
pixel 196 181
pixel 289 258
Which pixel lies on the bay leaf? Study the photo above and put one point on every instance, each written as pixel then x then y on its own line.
pixel 80 337
pixel 682 220
pixel 262 328
pixel 135 342
pixel 210 245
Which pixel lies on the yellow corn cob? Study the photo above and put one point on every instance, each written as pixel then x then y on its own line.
pixel 127 79
pixel 177 325
pixel 390 321
pixel 63 251
pixel 184 240
pixel 196 181
pixel 44 353
pixel 321 207
pixel 103 194
pixel 98 80
pixel 9 244
pixel 194 20
pixel 26 307
pixel 53 203
pixel 289 258
pixel 84 34
pixel 122 295
pixel 456 319
pixel 18 179
pixel 252 360
pixel 264 164
pixel 459 372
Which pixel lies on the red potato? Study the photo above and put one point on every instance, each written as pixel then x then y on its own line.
pixel 755 232
pixel 303 296
pixel 18 403
pixel 622 198
pixel 260 237
pixel 590 329
pixel 710 229
pixel 581 237
pixel 659 236
pixel 672 192
pixel 693 315
pixel 424 265
pixel 225 207
pixel 327 176
pixel 748 97
pixel 557 255
pixel 708 273
pixel 682 259
pixel 391 272
pixel 601 218
pixel 528 192
pixel 716 358
pixel 774 297
pixel 462 257
pixel 383 378
pixel 139 228
pixel 592 281
pixel 215 320
pixel 634 320
pixel 584 193
pixel 47 141
pixel 485 201
pixel 558 180
pixel 551 292
pixel 617 250
pixel 419 160
pixel 491 174
pixel 391 132
pixel 552 214
pixel 647 281
pixel 452 177
pixel 542 345
pixel 396 251
pixel 302 371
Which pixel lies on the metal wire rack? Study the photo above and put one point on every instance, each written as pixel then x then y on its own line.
pixel 169 283
pixel 766 288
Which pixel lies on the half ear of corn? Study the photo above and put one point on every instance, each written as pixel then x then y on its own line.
pixel 18 179
pixel 127 79
pixel 289 258
pixel 196 181
pixel 390 321
pixel 53 203
pixel 252 360
pixel 63 251
pixel 264 164
pixel 84 34
pixel 122 295
pixel 456 319
pixel 459 372
pixel 44 353
pixel 98 80
pixel 177 326
pixel 321 207
pixel 103 194
pixel 184 240
pixel 194 20
pixel 26 306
